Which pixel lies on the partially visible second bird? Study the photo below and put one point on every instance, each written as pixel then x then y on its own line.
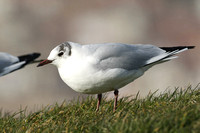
pixel 10 63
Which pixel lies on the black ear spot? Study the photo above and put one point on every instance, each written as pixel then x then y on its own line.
pixel 63 47
pixel 60 54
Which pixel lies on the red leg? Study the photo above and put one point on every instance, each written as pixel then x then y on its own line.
pixel 115 102
pixel 99 96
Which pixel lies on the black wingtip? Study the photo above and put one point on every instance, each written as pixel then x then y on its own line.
pixel 170 49
pixel 190 47
pixel 36 55
pixel 29 57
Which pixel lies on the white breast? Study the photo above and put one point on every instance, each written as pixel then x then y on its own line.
pixel 85 77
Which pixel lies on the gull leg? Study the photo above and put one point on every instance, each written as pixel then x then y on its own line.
pixel 99 96
pixel 115 102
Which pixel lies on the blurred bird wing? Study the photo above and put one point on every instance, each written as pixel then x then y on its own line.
pixel 12 68
pixel 7 59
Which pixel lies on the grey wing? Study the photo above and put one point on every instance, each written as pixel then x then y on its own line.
pixel 7 59
pixel 11 68
pixel 125 56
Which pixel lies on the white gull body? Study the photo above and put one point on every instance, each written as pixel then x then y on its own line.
pixel 99 68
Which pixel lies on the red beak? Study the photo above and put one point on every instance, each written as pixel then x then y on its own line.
pixel 44 62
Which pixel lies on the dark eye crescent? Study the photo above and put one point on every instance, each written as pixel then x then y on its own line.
pixel 60 54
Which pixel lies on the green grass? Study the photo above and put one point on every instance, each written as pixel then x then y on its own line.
pixel 178 111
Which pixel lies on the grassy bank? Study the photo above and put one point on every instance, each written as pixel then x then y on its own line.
pixel 170 112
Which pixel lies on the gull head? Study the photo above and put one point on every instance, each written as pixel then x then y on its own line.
pixel 57 55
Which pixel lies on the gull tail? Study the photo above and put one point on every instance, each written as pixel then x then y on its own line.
pixel 23 61
pixel 28 57
pixel 168 54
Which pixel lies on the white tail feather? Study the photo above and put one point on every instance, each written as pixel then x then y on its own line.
pixel 165 56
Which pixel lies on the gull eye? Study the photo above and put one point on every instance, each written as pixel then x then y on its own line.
pixel 60 54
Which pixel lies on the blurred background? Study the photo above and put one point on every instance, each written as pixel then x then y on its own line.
pixel 28 26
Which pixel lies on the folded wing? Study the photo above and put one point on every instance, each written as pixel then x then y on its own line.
pixel 130 57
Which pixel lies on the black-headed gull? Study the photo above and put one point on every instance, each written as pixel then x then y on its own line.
pixel 10 63
pixel 99 68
